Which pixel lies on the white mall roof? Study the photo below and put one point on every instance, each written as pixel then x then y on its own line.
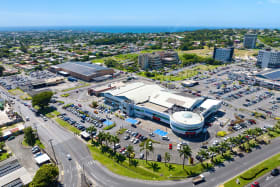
pixel 137 92
pixel 167 99
pixel 209 103
pixel 187 118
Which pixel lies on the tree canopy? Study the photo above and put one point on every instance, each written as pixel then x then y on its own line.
pixel 1 70
pixel 29 136
pixel 42 99
pixel 46 176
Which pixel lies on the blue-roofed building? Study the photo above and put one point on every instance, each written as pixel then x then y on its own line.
pixel 82 70
pixel 270 74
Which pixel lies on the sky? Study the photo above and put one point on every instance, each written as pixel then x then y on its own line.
pixel 212 13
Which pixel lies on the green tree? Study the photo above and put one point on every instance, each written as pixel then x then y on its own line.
pixel 46 176
pixel 2 69
pixel 223 147
pixel 213 149
pixel 29 136
pixel 2 145
pixel 203 154
pixel 148 147
pixel 115 140
pixel 130 151
pixel 90 130
pixel 167 157
pixel 94 104
pixel 42 99
pixel 186 152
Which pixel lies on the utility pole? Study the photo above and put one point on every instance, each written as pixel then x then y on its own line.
pixel 50 140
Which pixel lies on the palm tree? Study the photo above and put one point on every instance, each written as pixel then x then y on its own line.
pixel 115 140
pixel 147 147
pixel 259 131
pixel 223 147
pixel 167 157
pixel 107 138
pixel 213 149
pixel 90 130
pixel 129 150
pixel 101 137
pixel 248 133
pixel 186 152
pixel 202 153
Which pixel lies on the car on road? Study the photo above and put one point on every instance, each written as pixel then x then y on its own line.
pixel 274 172
pixel 165 138
pixel 68 157
pixel 141 156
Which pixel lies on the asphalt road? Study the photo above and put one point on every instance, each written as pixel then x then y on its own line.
pixel 66 143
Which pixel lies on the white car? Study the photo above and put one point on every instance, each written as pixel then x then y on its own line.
pixel 69 157
pixel 178 146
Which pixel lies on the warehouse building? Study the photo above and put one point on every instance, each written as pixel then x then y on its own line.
pixel 82 70
pixel 158 104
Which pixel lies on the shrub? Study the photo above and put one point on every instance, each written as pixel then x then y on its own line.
pixel 221 133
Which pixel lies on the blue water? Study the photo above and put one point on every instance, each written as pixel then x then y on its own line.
pixel 109 29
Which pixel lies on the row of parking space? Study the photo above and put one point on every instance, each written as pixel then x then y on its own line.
pixel 241 94
pixel 259 98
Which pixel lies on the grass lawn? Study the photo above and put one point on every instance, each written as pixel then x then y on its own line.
pixel 83 84
pixel 52 114
pixel 121 131
pixel 255 172
pixel 16 91
pixel 143 170
pixel 4 156
pixel 38 142
pixel 119 58
pixel 67 125
pixel 65 95
pixel 109 127
pixel 208 52
pixel 25 96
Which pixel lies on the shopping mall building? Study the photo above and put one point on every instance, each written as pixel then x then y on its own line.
pixel 184 114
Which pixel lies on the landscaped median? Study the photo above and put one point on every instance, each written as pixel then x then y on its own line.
pixel 255 172
pixel 146 171
pixel 67 125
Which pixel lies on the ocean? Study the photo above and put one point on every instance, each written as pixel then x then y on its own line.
pixel 108 29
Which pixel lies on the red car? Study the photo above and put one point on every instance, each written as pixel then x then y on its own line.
pixel 255 184
pixel 79 105
pixel 170 146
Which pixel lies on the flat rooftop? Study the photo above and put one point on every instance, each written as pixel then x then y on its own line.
pixel 81 68
pixel 154 107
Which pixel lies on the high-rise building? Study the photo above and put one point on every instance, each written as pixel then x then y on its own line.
pixel 250 41
pixel 223 54
pixel 158 60
pixel 268 59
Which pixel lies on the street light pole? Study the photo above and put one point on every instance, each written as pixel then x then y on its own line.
pixel 50 140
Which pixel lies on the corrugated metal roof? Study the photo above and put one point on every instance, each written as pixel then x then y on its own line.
pixel 81 68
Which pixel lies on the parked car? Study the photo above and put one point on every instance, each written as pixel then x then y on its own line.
pixel 141 156
pixel 159 158
pixel 170 146
pixel 11 138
